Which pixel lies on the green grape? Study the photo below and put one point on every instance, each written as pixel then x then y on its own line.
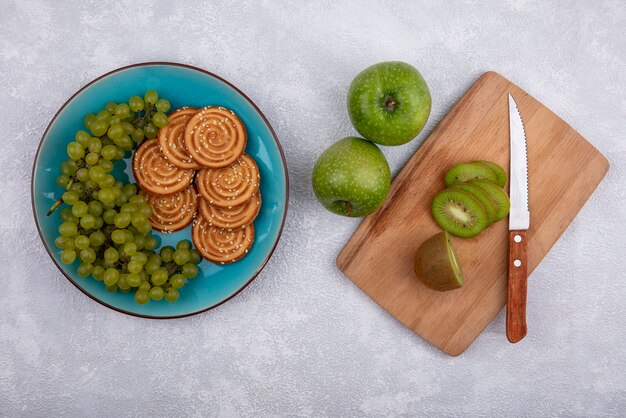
pixel 122 110
pixel 88 255
pixel 129 190
pixel 129 235
pixel 151 96
pixel 124 142
pixel 133 280
pixel 137 135
pixel 75 151
pixel 141 258
pixel 94 145
pixel 141 297
pixel 111 255
pixel 136 104
pixel 159 276
pixel 62 180
pixel 89 119
pixel 163 105
pixel 68 229
pixel 157 293
pixel 115 131
pixel 120 154
pixel 111 276
pixel 151 267
pixel 117 192
pixel 67 168
pixel 97 238
pixel 95 208
pixel 154 257
pixel 167 253
pixel 78 188
pixel 92 158
pixel 104 115
pixel 99 127
pixel 109 152
pixel 130 248
pixel 98 222
pixel 85 269
pixel 88 221
pixel 181 256
pixel 107 182
pixel 189 270
pixel 129 208
pixel 109 216
pixel 70 243
pixel 171 295
pixel 91 186
pixel 68 256
pixel 106 141
pixel 81 242
pixel 145 209
pixel 194 256
pixel 118 236
pixel 177 281
pixel 183 244
pixel 151 243
pixel 98 273
pixel 111 107
pixel 137 219
pixel 82 138
pixel 115 120
pixel 59 242
pixel 106 164
pixel 82 174
pixel 97 173
pixel 112 288
pixel 136 199
pixel 139 241
pixel 66 215
pixel 106 195
pixel 150 131
pixel 144 276
pixel 122 220
pixel 145 285
pixel 123 283
pixel 128 128
pixel 80 209
pixel 134 266
pixel 159 119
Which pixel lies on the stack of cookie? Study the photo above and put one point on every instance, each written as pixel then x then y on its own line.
pixel 207 144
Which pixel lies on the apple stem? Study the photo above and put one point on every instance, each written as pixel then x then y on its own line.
pixel 347 206
pixel 390 103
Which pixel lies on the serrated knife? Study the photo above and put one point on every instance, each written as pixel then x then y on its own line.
pixel 519 222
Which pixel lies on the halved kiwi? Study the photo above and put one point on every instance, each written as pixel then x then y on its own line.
pixel 461 173
pixel 500 173
pixel 436 264
pixel 497 195
pixel 482 197
pixel 459 213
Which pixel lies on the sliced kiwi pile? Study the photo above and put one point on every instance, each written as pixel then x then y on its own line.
pixel 474 199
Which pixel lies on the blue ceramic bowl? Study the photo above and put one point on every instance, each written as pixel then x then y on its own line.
pixel 183 86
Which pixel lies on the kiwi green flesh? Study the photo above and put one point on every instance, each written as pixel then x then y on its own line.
pixel 498 196
pixel 461 173
pixel 482 197
pixel 500 173
pixel 436 264
pixel 459 213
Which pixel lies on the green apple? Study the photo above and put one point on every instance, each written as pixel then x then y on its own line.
pixel 389 103
pixel 351 178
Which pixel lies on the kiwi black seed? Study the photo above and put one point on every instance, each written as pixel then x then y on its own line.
pixel 482 197
pixel 459 213
pixel 461 173
pixel 500 173
pixel 497 195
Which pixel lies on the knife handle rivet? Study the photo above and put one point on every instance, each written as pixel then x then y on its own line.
pixel 517 263
pixel 517 238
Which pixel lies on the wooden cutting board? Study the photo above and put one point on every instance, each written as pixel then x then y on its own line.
pixel 564 169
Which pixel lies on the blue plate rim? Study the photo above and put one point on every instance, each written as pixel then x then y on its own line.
pixel 210 74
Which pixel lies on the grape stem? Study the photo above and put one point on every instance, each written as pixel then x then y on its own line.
pixel 148 112
pixel 59 202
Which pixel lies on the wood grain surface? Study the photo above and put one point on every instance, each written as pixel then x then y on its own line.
pixel 517 286
pixel 564 169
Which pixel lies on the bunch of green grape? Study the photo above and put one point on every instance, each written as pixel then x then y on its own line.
pixel 105 225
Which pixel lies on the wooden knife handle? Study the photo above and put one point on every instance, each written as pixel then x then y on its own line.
pixel 518 280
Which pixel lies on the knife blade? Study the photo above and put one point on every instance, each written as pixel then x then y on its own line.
pixel 519 222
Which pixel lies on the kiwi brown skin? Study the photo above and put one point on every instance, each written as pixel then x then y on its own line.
pixel 464 204
pixel 482 197
pixel 436 265
pixel 464 172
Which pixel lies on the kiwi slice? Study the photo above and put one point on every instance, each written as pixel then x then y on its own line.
pixel 461 173
pixel 459 213
pixel 482 197
pixel 436 264
pixel 497 195
pixel 500 173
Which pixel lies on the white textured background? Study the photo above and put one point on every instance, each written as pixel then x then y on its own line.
pixel 302 340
